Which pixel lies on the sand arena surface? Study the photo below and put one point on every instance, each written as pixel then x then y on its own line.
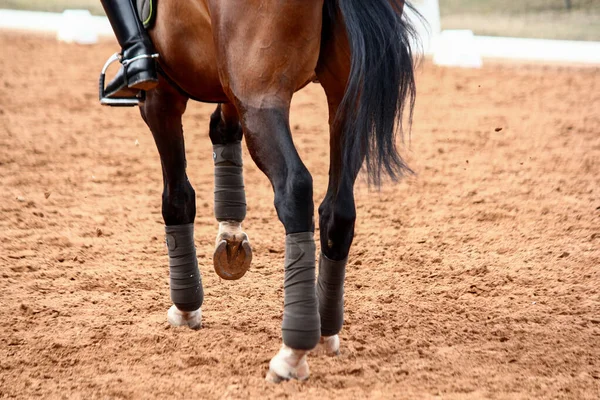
pixel 478 278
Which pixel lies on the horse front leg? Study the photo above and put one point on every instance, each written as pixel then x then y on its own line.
pixel 233 253
pixel 162 111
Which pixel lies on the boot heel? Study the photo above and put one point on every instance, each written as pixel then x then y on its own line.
pixel 143 81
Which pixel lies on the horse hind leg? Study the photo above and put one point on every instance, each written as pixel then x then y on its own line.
pixel 162 111
pixel 233 254
pixel 337 212
pixel 270 143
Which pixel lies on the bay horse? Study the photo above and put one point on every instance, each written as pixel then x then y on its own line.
pixel 250 56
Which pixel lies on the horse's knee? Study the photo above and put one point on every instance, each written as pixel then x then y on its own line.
pixel 179 204
pixel 294 201
pixel 295 190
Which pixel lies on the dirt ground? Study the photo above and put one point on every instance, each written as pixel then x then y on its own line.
pixel 477 278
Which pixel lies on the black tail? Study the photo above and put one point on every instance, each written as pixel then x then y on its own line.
pixel 380 87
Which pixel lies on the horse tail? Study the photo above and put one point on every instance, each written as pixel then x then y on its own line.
pixel 380 87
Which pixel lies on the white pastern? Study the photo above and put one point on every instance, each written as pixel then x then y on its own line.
pixel 329 345
pixel 191 319
pixel 288 364
pixel 231 227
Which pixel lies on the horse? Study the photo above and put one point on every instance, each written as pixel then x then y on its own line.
pixel 250 57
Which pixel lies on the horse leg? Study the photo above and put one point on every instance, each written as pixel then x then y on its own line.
pixel 270 143
pixel 337 212
pixel 162 111
pixel 233 253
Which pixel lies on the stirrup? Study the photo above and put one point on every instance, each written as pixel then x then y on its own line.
pixel 120 101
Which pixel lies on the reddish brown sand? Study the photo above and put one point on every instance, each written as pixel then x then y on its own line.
pixel 477 278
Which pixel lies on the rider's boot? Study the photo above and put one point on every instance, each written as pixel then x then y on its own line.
pixel 138 71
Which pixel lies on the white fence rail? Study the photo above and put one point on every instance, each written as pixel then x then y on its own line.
pixel 53 22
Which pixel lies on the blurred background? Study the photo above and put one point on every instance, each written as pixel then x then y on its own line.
pixel 544 19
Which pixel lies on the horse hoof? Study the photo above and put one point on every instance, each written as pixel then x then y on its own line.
pixel 288 364
pixel 191 319
pixel 233 255
pixel 330 345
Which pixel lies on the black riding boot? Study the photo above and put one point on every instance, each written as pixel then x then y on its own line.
pixel 138 71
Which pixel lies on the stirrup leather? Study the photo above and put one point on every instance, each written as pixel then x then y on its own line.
pixel 120 101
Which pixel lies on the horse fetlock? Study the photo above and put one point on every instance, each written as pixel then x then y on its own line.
pixel 288 364
pixel 191 319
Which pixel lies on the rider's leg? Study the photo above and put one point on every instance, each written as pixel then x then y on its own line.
pixel 139 70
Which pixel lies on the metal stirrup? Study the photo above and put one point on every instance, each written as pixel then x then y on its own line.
pixel 120 101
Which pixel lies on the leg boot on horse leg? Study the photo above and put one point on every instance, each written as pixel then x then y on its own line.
pixel 233 253
pixel 162 112
pixel 270 143
pixel 138 70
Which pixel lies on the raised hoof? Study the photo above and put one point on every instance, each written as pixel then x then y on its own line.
pixel 191 319
pixel 329 345
pixel 233 255
pixel 288 364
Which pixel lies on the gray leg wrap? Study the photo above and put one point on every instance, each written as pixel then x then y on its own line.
pixel 301 328
pixel 186 283
pixel 330 291
pixel 230 197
